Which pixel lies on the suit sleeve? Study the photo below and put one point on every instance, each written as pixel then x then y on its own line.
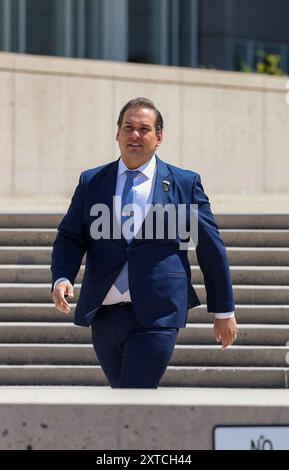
pixel 212 256
pixel 70 243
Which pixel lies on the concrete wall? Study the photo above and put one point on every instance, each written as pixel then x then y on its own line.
pixel 125 419
pixel 58 117
pixel 130 427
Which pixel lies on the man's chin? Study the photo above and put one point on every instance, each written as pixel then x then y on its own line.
pixel 136 158
pixel 136 153
pixel 135 149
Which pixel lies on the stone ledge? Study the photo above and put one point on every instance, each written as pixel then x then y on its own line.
pixel 163 396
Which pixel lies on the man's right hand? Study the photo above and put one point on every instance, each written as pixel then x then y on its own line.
pixel 61 289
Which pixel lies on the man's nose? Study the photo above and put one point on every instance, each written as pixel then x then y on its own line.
pixel 135 133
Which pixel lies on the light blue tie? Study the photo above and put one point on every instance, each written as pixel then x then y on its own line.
pixel 121 282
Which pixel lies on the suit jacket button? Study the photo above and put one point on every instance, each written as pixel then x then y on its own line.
pixel 128 248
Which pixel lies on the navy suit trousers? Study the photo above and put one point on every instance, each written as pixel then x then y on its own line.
pixel 130 355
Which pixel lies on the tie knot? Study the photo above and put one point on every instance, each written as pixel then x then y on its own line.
pixel 131 174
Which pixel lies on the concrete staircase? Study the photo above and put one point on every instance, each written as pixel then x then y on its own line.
pixel 40 346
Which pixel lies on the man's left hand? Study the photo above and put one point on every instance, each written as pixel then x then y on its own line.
pixel 225 330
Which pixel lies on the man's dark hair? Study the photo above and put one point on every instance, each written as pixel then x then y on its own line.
pixel 142 103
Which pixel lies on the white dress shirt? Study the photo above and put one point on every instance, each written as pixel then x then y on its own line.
pixel 143 189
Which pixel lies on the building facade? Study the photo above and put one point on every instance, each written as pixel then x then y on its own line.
pixel 158 32
pixel 220 34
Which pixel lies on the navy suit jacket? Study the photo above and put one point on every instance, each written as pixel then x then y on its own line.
pixel 159 271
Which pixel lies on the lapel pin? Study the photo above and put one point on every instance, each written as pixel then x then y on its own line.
pixel 166 185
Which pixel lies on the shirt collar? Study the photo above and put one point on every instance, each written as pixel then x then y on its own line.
pixel 147 169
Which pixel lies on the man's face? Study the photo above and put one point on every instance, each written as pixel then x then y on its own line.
pixel 137 136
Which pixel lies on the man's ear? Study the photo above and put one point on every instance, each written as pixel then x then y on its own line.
pixel 117 135
pixel 159 137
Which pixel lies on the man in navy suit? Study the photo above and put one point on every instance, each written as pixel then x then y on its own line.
pixel 136 289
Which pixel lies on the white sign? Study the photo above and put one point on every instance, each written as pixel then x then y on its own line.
pixel 251 438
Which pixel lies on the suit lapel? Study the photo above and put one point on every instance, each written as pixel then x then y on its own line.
pixel 161 196
pixel 106 187
pixel 107 184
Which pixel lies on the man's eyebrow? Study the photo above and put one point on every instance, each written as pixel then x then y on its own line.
pixel 142 125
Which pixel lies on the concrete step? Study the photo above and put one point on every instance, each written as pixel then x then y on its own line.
pixel 253 221
pixel 237 356
pixel 33 312
pixel 30 220
pixel 243 377
pixel 255 237
pixel 231 237
pixel 238 256
pixel 45 354
pixel 25 255
pixel 183 355
pixel 34 273
pixel 259 334
pixel 52 375
pixel 263 314
pixel 253 377
pixel 46 312
pixel 260 275
pixel 242 275
pixel 27 237
pixel 45 332
pixel 61 332
pixel 30 293
pixel 35 219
